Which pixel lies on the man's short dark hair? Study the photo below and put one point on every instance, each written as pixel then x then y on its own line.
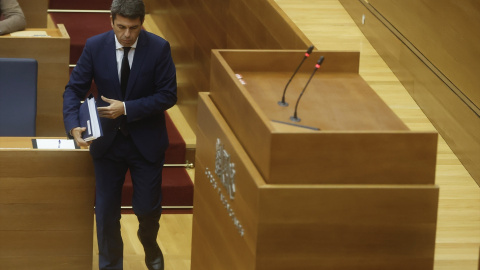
pixel 131 9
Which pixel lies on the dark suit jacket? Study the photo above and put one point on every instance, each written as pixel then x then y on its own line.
pixel 152 89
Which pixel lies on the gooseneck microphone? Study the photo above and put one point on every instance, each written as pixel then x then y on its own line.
pixel 307 54
pixel 294 118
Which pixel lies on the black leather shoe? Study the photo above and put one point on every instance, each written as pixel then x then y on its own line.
pixel 153 254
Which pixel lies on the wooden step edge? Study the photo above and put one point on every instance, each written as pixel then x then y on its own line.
pixel 183 127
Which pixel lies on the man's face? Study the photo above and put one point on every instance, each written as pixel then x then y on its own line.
pixel 126 30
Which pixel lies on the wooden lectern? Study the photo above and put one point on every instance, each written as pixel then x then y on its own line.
pixel 46 207
pixel 347 187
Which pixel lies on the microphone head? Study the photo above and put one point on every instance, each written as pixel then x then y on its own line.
pixel 310 49
pixel 320 61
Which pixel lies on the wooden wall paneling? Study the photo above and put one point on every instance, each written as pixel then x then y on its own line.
pixel 456 122
pixel 452 43
pixel 245 30
pixel 35 12
pixel 265 24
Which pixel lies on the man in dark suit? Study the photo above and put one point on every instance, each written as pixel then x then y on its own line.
pixel 131 105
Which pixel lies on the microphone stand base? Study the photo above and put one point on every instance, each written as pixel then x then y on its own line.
pixel 295 119
pixel 283 104
pixel 296 125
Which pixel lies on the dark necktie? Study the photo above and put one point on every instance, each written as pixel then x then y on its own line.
pixel 125 71
pixel 124 74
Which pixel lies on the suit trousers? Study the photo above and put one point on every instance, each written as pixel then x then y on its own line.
pixel 110 173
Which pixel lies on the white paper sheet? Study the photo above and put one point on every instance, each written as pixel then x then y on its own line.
pixel 55 144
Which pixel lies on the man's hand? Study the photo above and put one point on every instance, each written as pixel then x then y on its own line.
pixel 77 135
pixel 114 110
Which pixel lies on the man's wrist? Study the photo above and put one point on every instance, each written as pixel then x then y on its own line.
pixel 124 108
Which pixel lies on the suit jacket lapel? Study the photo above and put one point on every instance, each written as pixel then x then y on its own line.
pixel 139 57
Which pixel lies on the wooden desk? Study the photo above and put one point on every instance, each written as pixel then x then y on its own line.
pixel 46 207
pixel 52 54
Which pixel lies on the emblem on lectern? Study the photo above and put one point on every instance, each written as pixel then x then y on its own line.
pixel 225 169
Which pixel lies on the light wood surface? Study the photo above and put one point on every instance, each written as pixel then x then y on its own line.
pixel 330 27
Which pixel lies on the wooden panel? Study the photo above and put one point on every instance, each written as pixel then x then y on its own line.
pixel 35 12
pixel 52 54
pixel 353 158
pixel 46 211
pixel 45 163
pixel 452 41
pixel 46 243
pixel 46 216
pixel 211 127
pixel 347 227
pixel 457 123
pixel 288 60
pixel 72 263
pixel 243 108
pixel 218 245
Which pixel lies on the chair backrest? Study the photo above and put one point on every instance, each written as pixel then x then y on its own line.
pixel 18 96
